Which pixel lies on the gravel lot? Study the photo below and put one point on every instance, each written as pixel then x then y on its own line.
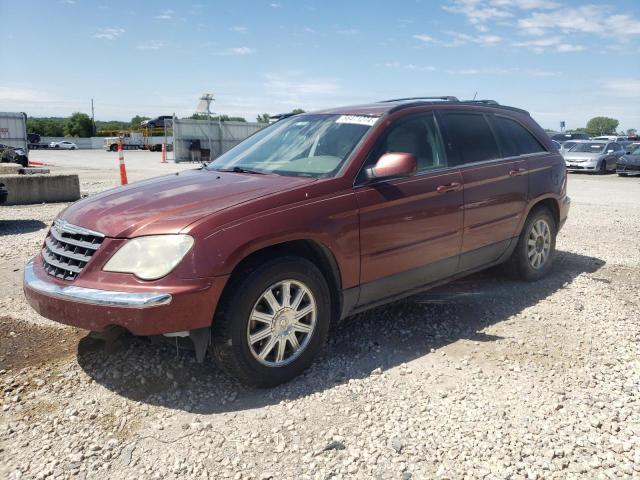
pixel 487 378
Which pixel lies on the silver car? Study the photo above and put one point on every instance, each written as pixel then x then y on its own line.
pixel 594 156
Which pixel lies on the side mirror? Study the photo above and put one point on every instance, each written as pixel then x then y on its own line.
pixel 609 151
pixel 393 165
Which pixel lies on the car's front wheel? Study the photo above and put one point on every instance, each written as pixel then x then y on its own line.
pixel 273 322
pixel 533 255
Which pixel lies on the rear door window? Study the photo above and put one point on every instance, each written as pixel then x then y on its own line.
pixel 468 137
pixel 514 138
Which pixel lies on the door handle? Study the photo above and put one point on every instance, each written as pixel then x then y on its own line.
pixel 516 172
pixel 451 187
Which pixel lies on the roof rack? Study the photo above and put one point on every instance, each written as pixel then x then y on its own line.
pixel 418 101
pixel 445 99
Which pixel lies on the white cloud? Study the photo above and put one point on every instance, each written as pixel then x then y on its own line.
pixel 481 71
pixel 152 45
pixel 239 51
pixel 478 12
pixel 295 89
pixel 239 29
pixel 275 5
pixel 166 15
pixel 425 38
pixel 587 19
pixel 458 39
pixel 555 43
pixel 8 94
pixel 108 33
pixel 621 87
pixel 409 66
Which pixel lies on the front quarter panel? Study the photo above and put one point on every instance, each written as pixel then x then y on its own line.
pixel 330 219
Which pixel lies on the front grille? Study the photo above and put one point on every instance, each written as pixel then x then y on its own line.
pixel 67 249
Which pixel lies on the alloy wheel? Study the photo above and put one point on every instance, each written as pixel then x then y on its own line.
pixel 539 244
pixel 281 323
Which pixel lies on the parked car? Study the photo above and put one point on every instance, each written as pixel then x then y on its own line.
pixel 611 138
pixel 568 145
pixel 64 144
pixel 9 154
pixel 631 146
pixel 310 220
pixel 629 163
pixel 564 137
pixel 158 122
pixel 594 156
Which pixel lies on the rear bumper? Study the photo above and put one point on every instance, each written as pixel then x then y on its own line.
pixel 143 312
pixel 564 206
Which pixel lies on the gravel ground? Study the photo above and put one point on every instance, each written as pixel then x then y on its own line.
pixel 486 378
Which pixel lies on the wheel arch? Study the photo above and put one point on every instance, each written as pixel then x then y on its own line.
pixel 550 203
pixel 312 250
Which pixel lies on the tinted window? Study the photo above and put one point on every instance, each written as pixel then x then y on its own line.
pixel 615 147
pixel 515 139
pixel 469 138
pixel 418 135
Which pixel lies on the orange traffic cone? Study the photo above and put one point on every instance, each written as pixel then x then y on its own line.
pixel 123 169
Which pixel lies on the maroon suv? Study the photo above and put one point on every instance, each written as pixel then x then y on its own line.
pixel 312 219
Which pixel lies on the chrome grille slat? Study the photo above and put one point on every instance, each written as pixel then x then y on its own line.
pixel 78 243
pixel 68 248
pixel 65 253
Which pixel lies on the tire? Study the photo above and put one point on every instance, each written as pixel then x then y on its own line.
pixel 622 174
pixel 230 344
pixel 73 148
pixel 113 148
pixel 521 264
pixel 602 170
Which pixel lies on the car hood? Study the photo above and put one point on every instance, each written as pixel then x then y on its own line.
pixel 169 204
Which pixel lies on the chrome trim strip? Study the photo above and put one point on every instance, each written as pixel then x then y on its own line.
pixel 93 296
pixel 67 227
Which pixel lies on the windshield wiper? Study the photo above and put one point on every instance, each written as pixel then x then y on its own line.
pixel 240 170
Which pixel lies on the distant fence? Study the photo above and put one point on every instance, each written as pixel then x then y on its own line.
pixel 203 140
pixel 83 143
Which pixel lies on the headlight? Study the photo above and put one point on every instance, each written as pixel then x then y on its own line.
pixel 150 258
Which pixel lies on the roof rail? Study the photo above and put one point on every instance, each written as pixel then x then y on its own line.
pixel 445 99
pixel 487 102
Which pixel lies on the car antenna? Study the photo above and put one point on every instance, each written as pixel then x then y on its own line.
pixel 474 97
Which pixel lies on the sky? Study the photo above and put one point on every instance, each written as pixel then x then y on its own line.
pixel 563 60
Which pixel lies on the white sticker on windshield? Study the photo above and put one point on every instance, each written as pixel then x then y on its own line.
pixel 357 120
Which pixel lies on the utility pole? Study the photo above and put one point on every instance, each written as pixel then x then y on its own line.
pixel 93 120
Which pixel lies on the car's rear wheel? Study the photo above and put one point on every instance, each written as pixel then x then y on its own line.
pixel 622 174
pixel 272 323
pixel 533 255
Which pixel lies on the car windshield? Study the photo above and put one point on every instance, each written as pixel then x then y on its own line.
pixel 636 151
pixel 303 145
pixel 568 145
pixel 588 147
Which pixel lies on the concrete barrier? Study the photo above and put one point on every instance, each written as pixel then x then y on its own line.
pixel 28 189
pixel 10 168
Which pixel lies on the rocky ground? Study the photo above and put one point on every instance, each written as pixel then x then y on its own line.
pixel 487 378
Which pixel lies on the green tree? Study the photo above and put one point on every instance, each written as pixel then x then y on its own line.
pixel 296 111
pixel 263 118
pixel 602 126
pixel 46 126
pixel 79 125
pixel 137 120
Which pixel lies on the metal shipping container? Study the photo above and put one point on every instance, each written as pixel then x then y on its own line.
pixel 203 140
pixel 13 129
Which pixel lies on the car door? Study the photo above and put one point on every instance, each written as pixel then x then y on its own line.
pixel 410 228
pixel 495 188
pixel 615 155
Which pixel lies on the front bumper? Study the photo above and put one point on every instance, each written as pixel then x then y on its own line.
pixel 629 169
pixel 189 306
pixel 581 167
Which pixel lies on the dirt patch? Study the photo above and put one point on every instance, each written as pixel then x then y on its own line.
pixel 23 345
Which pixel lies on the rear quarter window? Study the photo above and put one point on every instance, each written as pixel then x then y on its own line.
pixel 469 137
pixel 515 139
